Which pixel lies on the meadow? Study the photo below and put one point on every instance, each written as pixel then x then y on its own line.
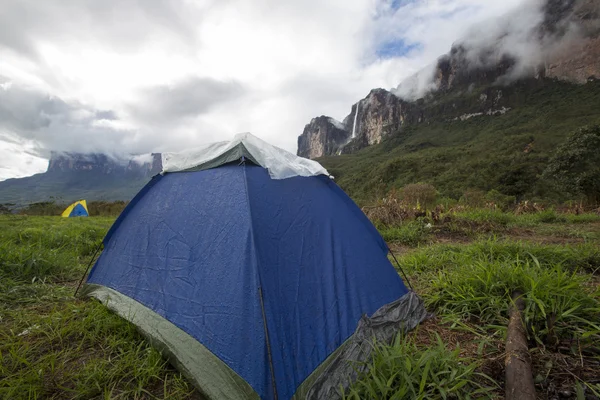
pixel 464 263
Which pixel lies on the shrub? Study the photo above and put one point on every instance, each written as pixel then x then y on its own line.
pixel 575 166
pixel 503 201
pixel 420 195
pixel 473 198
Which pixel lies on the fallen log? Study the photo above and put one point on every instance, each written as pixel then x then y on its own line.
pixel 519 378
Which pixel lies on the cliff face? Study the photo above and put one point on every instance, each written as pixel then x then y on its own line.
pixel 379 114
pixel 564 45
pixel 322 136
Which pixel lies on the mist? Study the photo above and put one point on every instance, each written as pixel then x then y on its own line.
pixel 530 36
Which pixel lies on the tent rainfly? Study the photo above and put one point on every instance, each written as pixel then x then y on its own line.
pixel 77 209
pixel 253 272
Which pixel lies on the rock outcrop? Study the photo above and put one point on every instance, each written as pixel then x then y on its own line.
pixel 322 136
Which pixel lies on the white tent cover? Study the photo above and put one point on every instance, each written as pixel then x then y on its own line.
pixel 281 164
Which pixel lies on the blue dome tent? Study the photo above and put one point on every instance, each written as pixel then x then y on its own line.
pixel 253 271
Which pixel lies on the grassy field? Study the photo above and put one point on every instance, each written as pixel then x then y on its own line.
pixel 463 265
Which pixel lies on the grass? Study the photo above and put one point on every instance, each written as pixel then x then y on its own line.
pixel 53 346
pixel 410 233
pixel 559 302
pixel 405 370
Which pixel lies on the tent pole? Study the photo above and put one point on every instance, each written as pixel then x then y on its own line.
pixel 87 269
pixel 400 268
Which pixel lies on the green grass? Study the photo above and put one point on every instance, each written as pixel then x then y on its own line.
pixel 410 233
pixel 559 302
pixel 53 346
pixel 474 282
pixel 405 370
pixel 48 247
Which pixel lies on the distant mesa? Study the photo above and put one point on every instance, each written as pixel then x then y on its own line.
pixel 73 176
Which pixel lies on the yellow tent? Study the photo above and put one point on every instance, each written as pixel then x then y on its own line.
pixel 77 209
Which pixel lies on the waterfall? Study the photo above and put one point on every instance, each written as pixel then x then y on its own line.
pixel 355 119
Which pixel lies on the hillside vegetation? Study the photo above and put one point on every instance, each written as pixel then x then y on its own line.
pixel 507 152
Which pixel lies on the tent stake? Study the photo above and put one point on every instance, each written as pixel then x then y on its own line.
pixel 87 269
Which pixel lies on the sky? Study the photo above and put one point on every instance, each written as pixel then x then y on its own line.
pixel 134 77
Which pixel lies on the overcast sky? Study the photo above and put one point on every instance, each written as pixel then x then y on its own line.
pixel 137 76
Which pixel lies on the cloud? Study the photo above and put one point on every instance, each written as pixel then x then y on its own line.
pixel 189 97
pixel 160 75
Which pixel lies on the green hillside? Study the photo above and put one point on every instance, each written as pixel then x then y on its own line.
pixel 506 152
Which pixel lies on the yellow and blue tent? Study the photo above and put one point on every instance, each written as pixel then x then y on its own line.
pixel 77 209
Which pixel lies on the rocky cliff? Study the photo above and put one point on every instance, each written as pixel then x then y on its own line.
pixel 476 78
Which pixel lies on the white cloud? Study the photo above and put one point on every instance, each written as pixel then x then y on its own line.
pixel 174 74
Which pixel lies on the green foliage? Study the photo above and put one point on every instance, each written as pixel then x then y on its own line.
pixel 549 216
pixel 575 166
pixel 405 370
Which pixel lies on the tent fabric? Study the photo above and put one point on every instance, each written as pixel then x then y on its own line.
pixel 271 276
pixel 280 163
pixel 77 209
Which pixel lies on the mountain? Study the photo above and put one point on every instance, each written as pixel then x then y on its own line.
pixel 72 176
pixel 486 115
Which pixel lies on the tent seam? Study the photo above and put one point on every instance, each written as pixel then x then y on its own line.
pixel 260 292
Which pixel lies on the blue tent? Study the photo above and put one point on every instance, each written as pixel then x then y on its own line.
pixel 247 282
